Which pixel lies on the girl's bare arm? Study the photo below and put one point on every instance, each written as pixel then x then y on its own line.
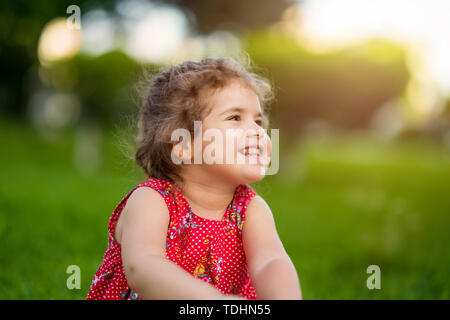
pixel 271 270
pixel 142 235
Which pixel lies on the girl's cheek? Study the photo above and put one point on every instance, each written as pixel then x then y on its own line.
pixel 231 139
pixel 267 149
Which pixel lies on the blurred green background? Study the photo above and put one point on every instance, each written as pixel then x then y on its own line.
pixel 362 104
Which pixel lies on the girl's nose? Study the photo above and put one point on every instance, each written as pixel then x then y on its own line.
pixel 255 130
pixel 256 134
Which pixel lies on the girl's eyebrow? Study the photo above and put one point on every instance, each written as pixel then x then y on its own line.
pixel 238 109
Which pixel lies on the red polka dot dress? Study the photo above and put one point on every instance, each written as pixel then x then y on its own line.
pixel 210 250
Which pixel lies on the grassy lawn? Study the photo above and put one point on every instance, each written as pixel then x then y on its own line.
pixel 344 204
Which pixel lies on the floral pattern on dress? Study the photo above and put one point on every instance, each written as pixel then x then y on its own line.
pixel 210 250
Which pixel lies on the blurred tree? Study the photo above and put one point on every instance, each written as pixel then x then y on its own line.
pixel 103 83
pixel 232 15
pixel 21 23
pixel 343 88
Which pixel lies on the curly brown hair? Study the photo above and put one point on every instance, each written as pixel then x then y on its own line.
pixel 177 96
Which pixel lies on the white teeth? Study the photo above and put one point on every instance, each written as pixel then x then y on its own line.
pixel 251 151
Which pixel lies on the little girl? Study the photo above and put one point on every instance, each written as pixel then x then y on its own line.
pixel 198 230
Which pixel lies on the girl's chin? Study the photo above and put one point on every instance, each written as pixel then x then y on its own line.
pixel 240 174
pixel 251 173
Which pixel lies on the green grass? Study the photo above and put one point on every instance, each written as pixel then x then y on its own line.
pixel 341 205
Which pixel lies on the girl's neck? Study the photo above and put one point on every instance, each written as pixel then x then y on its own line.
pixel 207 199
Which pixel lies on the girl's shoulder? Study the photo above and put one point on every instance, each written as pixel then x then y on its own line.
pixel 253 201
pixel 158 188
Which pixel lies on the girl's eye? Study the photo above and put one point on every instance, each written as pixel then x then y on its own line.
pixel 259 122
pixel 234 117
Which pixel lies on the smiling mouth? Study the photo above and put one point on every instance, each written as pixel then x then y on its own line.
pixel 251 151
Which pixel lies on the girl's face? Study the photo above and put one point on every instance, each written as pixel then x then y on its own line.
pixel 235 120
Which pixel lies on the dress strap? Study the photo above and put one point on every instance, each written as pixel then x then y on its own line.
pixel 243 196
